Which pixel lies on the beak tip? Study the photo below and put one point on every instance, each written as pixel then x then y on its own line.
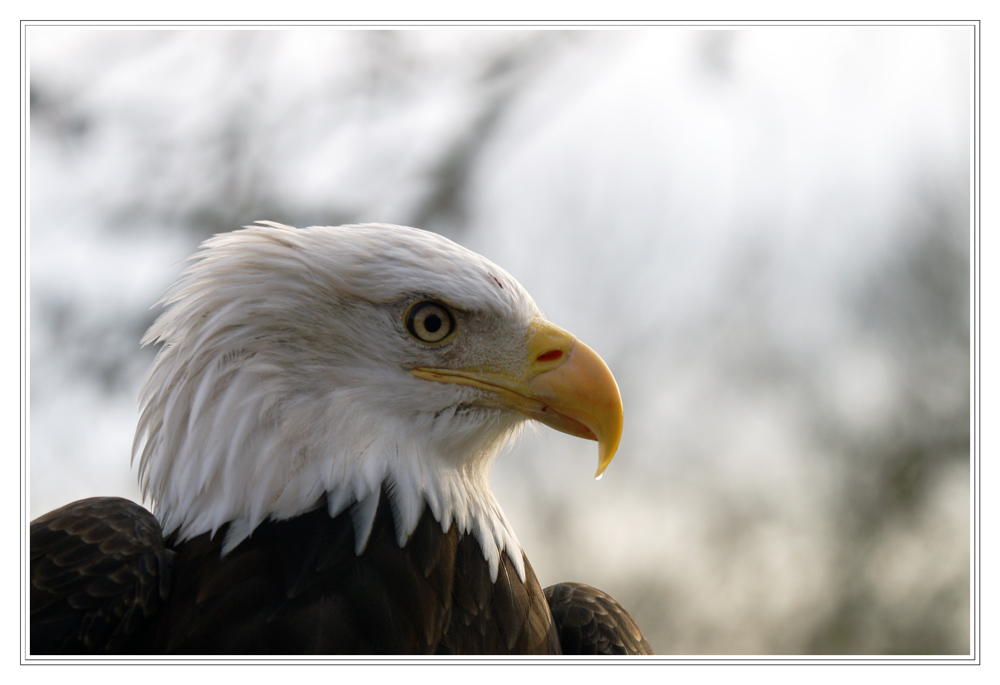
pixel 606 452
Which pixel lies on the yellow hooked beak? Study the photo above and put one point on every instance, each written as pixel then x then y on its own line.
pixel 562 383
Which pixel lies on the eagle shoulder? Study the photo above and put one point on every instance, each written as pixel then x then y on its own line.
pixel 590 621
pixel 99 572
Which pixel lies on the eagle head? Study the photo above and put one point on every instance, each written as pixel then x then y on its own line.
pixel 341 360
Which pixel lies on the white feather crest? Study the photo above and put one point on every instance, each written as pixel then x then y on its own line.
pixel 257 403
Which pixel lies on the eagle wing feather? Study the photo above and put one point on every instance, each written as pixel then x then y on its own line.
pixel 99 570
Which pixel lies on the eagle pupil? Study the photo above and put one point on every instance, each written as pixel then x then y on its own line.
pixel 429 322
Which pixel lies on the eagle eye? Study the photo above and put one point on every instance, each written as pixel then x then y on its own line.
pixel 429 322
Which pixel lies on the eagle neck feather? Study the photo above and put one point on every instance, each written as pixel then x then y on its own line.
pixel 224 468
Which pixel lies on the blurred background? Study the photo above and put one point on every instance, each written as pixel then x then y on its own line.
pixel 764 232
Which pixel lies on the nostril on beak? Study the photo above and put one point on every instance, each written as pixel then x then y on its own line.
pixel 550 356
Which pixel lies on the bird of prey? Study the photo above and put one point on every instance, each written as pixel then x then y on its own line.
pixel 316 437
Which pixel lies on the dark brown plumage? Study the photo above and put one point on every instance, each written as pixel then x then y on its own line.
pixel 99 573
pixel 590 621
pixel 103 581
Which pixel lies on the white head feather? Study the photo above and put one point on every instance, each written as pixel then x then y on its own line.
pixel 284 374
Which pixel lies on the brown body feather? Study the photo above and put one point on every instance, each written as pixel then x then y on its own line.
pixel 99 573
pixel 591 621
pixel 105 582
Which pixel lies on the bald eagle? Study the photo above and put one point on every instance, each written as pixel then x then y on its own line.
pixel 316 437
